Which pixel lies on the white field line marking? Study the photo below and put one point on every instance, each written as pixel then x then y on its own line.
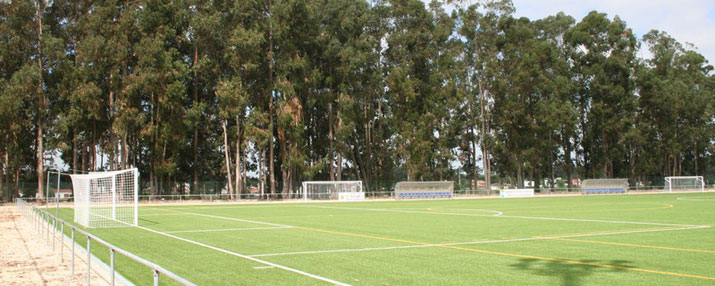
pixel 476 242
pixel 699 199
pixel 497 213
pixel 512 216
pixel 141 215
pixel 321 278
pixel 228 229
pixel 263 267
pixel 226 218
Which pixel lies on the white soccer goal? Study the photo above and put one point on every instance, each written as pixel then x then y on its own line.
pixel 333 190
pixel 106 199
pixel 685 183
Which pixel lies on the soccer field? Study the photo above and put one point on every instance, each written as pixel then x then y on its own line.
pixel 665 239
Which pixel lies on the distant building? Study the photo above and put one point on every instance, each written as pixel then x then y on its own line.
pixel 65 193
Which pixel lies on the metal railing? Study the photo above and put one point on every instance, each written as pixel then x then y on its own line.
pixel 48 225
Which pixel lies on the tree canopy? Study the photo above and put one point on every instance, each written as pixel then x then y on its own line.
pixel 272 92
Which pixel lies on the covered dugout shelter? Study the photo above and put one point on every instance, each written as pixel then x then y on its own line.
pixel 424 190
pixel 604 186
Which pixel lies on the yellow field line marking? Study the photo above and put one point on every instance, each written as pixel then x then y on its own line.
pixel 606 231
pixel 513 255
pixel 634 245
pixel 583 263
pixel 663 206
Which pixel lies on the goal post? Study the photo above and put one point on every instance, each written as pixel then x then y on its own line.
pixel 106 199
pixel 684 183
pixel 333 190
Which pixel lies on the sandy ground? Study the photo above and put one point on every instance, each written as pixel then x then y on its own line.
pixel 27 259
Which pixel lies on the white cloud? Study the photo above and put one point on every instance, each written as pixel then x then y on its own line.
pixel 691 21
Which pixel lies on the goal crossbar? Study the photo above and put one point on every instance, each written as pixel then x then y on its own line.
pixel 106 199
pixel 330 189
pixel 685 183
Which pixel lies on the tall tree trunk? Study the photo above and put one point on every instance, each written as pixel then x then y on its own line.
pixel 228 159
pixel 13 192
pixel 238 158
pixel 569 164
pixel 85 156
pixel 519 175
pixel 270 101
pixel 112 137
pixel 125 152
pixel 475 173
pixel 331 152
pixel 485 152
pixel 3 194
pixel 75 146
pixel 695 159
pixel 243 167
pixel 340 167
pixel 42 106
pixel 93 147
pixel 195 143
pixel 262 167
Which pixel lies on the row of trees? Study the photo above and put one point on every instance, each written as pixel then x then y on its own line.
pixel 286 90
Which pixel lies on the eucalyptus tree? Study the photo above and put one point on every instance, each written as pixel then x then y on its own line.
pixel 605 56
pixel 480 31
pixel 676 104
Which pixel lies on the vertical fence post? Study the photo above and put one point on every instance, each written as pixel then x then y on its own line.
pixel 73 243
pixel 54 232
pixel 111 263
pixel 48 230
pixel 156 277
pixel 89 259
pixel 62 241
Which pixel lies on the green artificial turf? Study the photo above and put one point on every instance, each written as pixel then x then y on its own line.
pixel 662 239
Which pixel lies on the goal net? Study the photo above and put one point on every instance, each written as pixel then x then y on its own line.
pixel 688 183
pixel 106 199
pixel 333 190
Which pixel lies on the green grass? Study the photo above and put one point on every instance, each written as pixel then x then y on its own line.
pixel 593 240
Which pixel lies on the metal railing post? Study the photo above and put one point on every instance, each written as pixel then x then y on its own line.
pixel 62 242
pixel 111 263
pixel 156 277
pixel 89 259
pixel 73 243
pixel 54 233
pixel 48 230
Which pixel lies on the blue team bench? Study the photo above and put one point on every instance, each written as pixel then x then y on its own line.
pixel 604 191
pixel 417 195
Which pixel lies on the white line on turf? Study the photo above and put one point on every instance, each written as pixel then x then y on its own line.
pixel 321 278
pixel 699 199
pixel 476 242
pixel 228 229
pixel 509 216
pixel 496 213
pixel 263 267
pixel 224 217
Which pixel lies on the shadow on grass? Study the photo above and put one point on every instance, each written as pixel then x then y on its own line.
pixel 146 222
pixel 571 274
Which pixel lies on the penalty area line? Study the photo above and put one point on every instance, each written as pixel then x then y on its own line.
pixel 317 277
pixel 533 238
pixel 228 229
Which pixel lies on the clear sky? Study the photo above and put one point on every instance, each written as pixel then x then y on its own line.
pixel 691 21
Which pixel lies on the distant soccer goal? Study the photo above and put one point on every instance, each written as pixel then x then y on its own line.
pixel 424 190
pixel 333 190
pixel 106 199
pixel 684 183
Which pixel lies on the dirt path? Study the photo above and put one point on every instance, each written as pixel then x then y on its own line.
pixel 27 259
